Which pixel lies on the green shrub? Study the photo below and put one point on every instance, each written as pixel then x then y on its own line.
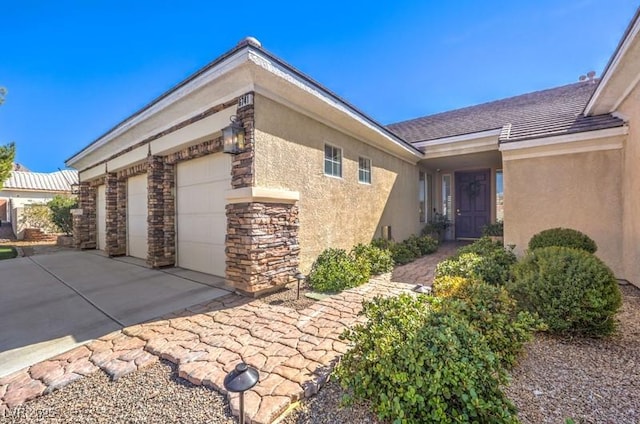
pixel 494 229
pixel 491 311
pixel 380 260
pixel 417 362
pixel 464 265
pixel 61 212
pixel 426 245
pixel 413 244
pixel 403 253
pixel 408 250
pixel 483 259
pixel 335 270
pixel 382 243
pixel 570 289
pixel 565 237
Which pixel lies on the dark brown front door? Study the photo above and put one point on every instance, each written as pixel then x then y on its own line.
pixel 473 202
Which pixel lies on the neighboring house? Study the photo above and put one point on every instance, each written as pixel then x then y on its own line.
pixel 24 188
pixel 315 172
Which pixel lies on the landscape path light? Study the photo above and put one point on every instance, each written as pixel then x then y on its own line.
pixel 300 277
pixel 241 379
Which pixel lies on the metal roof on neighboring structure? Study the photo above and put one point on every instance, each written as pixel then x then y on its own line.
pixel 39 181
pixel 545 113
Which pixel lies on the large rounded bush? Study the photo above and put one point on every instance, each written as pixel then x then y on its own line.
pixel 572 290
pixel 416 360
pixel 335 270
pixel 565 237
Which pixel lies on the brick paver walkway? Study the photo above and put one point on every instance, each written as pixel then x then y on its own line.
pixel 421 271
pixel 294 351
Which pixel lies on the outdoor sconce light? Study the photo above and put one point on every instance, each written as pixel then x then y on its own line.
pixel 241 379
pixel 300 277
pixel 233 137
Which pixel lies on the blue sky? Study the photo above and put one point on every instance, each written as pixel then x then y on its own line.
pixel 74 69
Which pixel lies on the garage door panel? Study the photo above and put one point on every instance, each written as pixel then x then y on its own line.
pixel 202 198
pixel 204 229
pixel 137 216
pixel 204 170
pixel 137 205
pixel 194 255
pixel 201 216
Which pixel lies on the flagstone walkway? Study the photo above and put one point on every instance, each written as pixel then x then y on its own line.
pixel 294 351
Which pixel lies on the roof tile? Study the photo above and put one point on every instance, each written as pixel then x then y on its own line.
pixel 543 113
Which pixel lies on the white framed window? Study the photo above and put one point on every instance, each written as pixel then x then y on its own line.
pixel 364 170
pixel 332 161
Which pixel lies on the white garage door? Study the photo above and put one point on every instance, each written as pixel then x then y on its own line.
pixel 137 216
pixel 202 221
pixel 101 217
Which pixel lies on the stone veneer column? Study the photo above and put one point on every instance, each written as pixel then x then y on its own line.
pixel 169 202
pixel 262 237
pixel 111 212
pixel 262 245
pixel 84 226
pixel 121 230
pixel 160 235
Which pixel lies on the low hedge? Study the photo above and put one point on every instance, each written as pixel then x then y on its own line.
pixel 564 237
pixel 335 270
pixel 408 250
pixel 484 259
pixel 573 291
pixel 493 312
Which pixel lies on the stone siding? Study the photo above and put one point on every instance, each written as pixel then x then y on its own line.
pixel 84 226
pixel 161 237
pixel 262 245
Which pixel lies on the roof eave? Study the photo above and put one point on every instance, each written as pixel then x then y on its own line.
pixel 231 59
pixel 631 32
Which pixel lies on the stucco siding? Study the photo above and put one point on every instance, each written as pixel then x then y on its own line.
pixel 581 191
pixel 631 189
pixel 334 212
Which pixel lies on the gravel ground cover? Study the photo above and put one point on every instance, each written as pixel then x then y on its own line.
pixel 152 395
pixel 587 380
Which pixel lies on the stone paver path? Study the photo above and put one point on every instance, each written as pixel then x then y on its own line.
pixel 421 271
pixel 294 351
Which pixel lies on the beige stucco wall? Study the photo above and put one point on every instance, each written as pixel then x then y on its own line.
pixel 581 191
pixel 334 212
pixel 631 189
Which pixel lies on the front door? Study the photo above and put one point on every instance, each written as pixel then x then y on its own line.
pixel 473 202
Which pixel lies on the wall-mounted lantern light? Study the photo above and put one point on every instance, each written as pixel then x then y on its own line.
pixel 233 137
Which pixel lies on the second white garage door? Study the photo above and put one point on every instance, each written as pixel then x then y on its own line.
pixel 137 216
pixel 201 218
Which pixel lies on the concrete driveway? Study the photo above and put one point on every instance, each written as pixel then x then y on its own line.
pixel 52 303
